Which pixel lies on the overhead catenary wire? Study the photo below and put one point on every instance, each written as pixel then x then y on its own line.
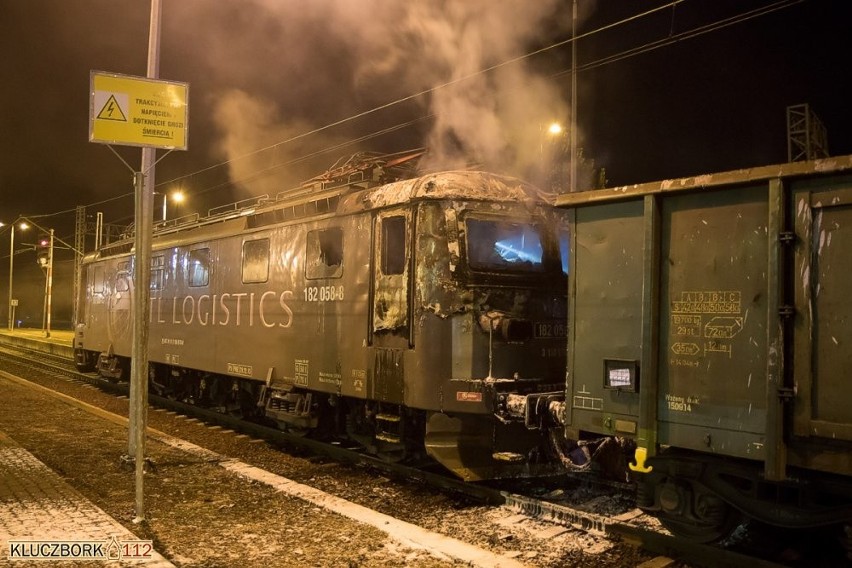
pixel 430 90
pixel 689 34
pixel 701 30
pixel 672 38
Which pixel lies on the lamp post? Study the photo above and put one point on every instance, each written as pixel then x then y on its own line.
pixel 553 161
pixel 12 302
pixel 46 261
pixel 178 197
pixel 11 267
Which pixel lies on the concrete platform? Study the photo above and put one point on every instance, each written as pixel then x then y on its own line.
pixel 59 342
pixel 42 516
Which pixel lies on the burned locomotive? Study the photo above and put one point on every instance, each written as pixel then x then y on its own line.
pixel 400 313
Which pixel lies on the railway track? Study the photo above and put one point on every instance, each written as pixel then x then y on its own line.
pixel 541 501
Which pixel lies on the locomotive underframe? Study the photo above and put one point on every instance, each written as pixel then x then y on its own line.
pixel 505 443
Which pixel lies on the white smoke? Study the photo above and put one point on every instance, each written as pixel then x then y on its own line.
pixel 249 123
pixel 326 60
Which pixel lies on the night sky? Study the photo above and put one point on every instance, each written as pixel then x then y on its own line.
pixel 262 72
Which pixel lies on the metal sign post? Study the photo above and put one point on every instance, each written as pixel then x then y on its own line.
pixel 133 111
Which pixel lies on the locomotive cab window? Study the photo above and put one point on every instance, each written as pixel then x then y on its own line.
pixel 393 245
pixel 324 254
pixel 504 245
pixel 255 261
pixel 199 267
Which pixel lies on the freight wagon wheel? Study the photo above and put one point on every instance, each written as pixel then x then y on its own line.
pixel 702 533
pixel 711 519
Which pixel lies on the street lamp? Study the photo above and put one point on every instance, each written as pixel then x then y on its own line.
pixel 177 197
pixel 44 254
pixel 553 160
pixel 12 303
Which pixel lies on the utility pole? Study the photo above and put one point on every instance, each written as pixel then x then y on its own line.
pixel 807 138
pixel 169 98
pixel 11 267
pixel 49 284
pixel 144 191
pixel 572 182
pixel 80 246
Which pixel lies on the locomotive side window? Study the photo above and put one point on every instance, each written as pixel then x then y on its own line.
pixel 255 261
pixel 199 267
pixel 324 254
pixel 98 280
pixel 393 245
pixel 158 264
pixel 503 245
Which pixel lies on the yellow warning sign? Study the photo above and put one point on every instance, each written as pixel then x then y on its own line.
pixel 135 111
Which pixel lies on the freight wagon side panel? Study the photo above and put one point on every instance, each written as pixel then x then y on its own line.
pixel 823 320
pixel 713 319
pixel 605 299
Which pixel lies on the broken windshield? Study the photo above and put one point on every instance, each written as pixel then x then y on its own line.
pixel 503 245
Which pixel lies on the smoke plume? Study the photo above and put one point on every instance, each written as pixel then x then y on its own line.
pixel 332 59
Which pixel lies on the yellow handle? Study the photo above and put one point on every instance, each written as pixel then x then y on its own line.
pixel 640 456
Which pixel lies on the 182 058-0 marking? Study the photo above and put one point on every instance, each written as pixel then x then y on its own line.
pixel 324 294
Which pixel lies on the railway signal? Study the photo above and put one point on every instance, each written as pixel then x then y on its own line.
pixel 43 250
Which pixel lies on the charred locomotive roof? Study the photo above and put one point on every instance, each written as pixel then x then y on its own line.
pixel 358 185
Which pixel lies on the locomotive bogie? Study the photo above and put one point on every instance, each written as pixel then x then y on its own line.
pixel 374 316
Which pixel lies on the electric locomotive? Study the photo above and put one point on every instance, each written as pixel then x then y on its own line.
pixel 398 312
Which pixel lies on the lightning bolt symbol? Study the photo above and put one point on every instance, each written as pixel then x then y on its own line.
pixel 110 108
